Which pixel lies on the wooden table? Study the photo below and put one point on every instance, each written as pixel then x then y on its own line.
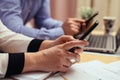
pixel 106 58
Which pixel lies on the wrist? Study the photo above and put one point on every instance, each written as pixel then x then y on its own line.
pixel 46 44
pixel 30 62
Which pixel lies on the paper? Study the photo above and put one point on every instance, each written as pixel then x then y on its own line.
pixel 75 74
pixel 106 72
pixel 93 70
pixel 113 67
pixel 79 71
pixel 56 77
pixel 103 74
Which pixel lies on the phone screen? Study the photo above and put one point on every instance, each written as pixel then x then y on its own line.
pixel 88 31
pixel 95 14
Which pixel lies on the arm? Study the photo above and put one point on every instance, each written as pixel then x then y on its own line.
pixel 9 61
pixel 10 14
pixel 57 59
pixel 49 26
pixel 12 42
pixel 3 64
pixel 8 64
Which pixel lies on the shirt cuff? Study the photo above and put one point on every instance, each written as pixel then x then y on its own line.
pixel 57 32
pixel 15 64
pixel 34 45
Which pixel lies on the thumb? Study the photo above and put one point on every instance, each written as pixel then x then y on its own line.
pixel 76 43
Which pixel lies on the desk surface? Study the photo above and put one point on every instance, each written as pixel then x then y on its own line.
pixel 106 58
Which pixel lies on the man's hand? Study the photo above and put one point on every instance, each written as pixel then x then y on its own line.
pixel 72 26
pixel 58 58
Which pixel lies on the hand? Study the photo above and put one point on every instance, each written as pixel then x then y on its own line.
pixel 50 43
pixel 58 57
pixel 72 26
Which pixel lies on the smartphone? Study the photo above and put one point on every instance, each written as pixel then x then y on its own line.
pixel 88 31
pixel 84 34
pixel 88 20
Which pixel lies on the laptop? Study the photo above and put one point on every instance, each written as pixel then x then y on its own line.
pixel 104 43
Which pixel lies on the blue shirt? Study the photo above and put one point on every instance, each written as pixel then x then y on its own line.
pixel 15 13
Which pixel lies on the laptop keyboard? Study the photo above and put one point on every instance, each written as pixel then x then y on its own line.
pixel 118 39
pixel 102 41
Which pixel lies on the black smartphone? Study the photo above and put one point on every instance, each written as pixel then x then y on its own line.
pixel 84 34
pixel 88 20
pixel 88 31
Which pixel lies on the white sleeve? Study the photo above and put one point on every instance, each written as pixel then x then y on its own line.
pixel 3 64
pixel 12 42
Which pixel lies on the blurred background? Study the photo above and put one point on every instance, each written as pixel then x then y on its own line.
pixel 63 9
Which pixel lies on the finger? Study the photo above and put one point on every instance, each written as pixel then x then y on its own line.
pixel 83 24
pixel 75 29
pixel 77 51
pixel 66 38
pixel 76 23
pixel 76 43
pixel 63 68
pixel 67 62
pixel 77 59
pixel 74 26
pixel 74 56
pixel 82 27
pixel 78 20
pixel 70 55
